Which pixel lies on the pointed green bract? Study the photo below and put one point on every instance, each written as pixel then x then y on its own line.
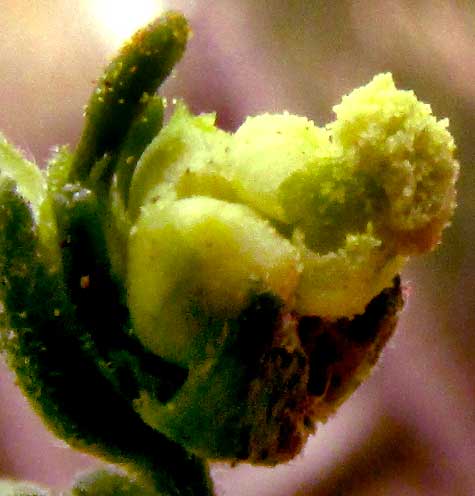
pixel 31 186
pixel 188 158
pixel 26 175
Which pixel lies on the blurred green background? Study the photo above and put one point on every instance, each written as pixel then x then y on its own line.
pixel 409 430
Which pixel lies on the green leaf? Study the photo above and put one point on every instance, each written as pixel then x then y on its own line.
pixel 141 66
pixel 24 173
pixel 59 368
pixel 142 131
pixel 30 185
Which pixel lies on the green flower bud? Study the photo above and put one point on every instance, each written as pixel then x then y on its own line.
pixel 309 217
pixel 180 294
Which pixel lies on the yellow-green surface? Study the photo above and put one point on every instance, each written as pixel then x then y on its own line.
pixel 347 203
pixel 13 488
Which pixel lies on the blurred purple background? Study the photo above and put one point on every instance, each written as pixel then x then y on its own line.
pixel 409 430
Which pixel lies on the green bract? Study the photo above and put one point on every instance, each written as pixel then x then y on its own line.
pixel 182 293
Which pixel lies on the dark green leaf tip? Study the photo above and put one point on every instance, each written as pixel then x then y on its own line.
pixel 139 69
